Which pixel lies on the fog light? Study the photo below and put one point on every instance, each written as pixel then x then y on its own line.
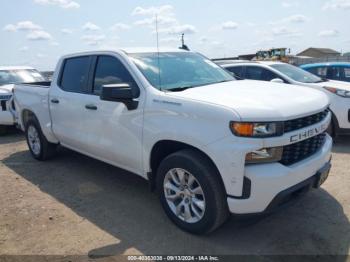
pixel 265 155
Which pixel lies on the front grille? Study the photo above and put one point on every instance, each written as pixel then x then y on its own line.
pixel 299 123
pixel 301 150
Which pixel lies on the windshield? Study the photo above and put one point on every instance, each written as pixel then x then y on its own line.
pixel 179 70
pixel 297 74
pixel 20 76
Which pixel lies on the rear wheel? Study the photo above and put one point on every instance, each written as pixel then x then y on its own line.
pixel 191 192
pixel 3 130
pixel 39 147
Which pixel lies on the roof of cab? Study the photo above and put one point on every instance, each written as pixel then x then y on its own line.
pixel 16 68
pixel 134 50
pixel 126 51
pixel 226 62
pixel 345 64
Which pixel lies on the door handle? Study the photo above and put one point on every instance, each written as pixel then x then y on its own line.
pixel 55 101
pixel 91 107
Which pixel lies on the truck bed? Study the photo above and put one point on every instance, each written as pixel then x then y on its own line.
pixel 33 97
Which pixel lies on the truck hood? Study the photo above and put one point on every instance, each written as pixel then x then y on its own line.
pixel 260 101
pixel 335 84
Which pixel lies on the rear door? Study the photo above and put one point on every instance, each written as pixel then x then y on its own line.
pixel 68 100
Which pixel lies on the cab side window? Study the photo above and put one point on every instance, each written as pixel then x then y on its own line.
pixel 322 71
pixel 74 75
pixel 259 73
pixel 109 70
pixel 334 72
pixel 312 70
pixel 237 71
pixel 346 76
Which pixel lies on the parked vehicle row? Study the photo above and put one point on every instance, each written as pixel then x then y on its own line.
pixel 9 76
pixel 209 145
pixel 338 92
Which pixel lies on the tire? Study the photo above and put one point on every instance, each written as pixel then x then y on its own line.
pixel 206 182
pixel 3 130
pixel 39 147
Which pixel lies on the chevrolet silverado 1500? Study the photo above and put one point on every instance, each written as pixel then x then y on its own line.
pixel 208 144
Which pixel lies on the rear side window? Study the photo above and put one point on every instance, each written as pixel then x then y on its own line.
pixel 334 72
pixel 347 74
pixel 322 72
pixel 312 70
pixel 259 73
pixel 253 72
pixel 75 74
pixel 110 70
pixel 236 70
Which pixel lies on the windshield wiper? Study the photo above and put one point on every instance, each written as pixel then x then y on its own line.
pixel 182 88
pixel 179 89
pixel 322 80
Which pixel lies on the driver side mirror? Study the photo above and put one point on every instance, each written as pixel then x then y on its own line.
pixel 120 93
pixel 277 80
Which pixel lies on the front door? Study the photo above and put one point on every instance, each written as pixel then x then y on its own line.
pixel 115 134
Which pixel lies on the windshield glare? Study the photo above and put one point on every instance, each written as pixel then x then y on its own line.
pixel 20 76
pixel 179 70
pixel 296 73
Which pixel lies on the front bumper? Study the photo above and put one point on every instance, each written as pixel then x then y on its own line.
pixel 269 180
pixel 6 118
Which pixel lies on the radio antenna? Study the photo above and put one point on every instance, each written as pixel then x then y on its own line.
pixel 158 55
pixel 183 45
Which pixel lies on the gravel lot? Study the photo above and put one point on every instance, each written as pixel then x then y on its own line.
pixel 75 205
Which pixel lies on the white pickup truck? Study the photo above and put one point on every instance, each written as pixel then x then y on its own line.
pixel 208 144
pixel 9 76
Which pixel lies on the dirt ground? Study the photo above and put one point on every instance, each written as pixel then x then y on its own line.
pixel 75 205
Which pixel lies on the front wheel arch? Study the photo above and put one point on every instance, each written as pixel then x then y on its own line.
pixel 164 148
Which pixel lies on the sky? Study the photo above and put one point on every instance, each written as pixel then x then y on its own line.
pixel 38 32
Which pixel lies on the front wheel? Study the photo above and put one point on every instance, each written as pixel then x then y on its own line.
pixel 39 147
pixel 191 192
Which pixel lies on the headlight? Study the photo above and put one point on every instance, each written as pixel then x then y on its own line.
pixel 258 130
pixel 265 155
pixel 339 92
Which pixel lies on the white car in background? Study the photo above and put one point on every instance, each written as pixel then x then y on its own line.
pixel 337 91
pixel 9 76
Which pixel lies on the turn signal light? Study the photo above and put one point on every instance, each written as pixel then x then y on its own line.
pixel 243 129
